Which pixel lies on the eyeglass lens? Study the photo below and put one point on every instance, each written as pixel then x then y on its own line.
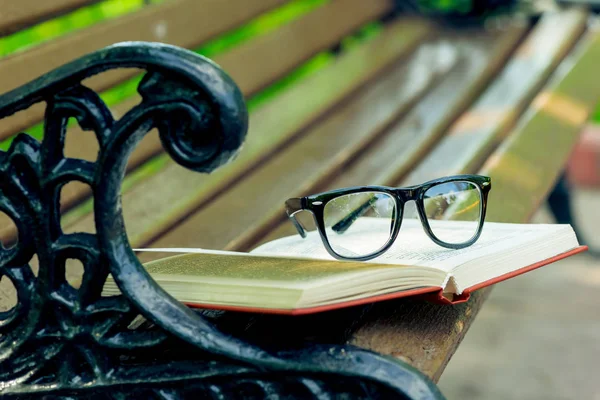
pixel 359 224
pixel 459 202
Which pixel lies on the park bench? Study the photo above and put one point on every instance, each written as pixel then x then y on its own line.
pixel 347 92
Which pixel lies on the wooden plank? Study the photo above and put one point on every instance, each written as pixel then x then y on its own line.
pixel 317 155
pixel 17 15
pixel 188 25
pixel 185 23
pixel 408 141
pixel 330 148
pixel 272 56
pixel 487 123
pixel 252 65
pixel 475 133
pixel 271 126
pixel 261 61
pixel 480 57
pixel 523 171
pixel 525 167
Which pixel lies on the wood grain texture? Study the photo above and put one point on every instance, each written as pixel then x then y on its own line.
pixel 15 15
pixel 478 131
pixel 253 65
pixel 523 171
pixel 312 159
pixel 271 126
pixel 426 335
pixel 185 23
pixel 479 58
pixel 525 167
pixel 263 60
pixel 271 56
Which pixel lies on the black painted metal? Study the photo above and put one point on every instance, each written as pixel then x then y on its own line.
pixel 62 341
pixel 317 203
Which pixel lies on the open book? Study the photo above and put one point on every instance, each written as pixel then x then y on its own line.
pixel 297 276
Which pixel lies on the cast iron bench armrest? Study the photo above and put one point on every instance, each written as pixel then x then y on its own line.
pixel 63 341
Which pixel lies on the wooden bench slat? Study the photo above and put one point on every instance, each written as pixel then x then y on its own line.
pixel 17 15
pixel 295 42
pixel 524 166
pixel 330 147
pixel 478 131
pixel 523 171
pixel 318 154
pixel 406 142
pixel 185 23
pixel 253 65
pixel 256 64
pixel 271 125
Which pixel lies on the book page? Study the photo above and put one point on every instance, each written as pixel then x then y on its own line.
pixel 254 270
pixel 413 246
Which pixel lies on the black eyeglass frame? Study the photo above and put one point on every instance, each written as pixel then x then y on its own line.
pixel 315 204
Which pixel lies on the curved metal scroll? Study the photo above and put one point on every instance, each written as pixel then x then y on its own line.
pixel 63 341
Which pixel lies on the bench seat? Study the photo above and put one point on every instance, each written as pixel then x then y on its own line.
pixel 413 101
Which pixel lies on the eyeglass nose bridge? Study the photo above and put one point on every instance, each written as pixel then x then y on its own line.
pixel 407 194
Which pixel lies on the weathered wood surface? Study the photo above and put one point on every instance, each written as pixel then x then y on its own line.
pixel 271 126
pixel 189 23
pixel 395 159
pixel 485 125
pixel 16 15
pixel 407 142
pixel 327 153
pixel 261 61
pixel 271 56
pixel 185 23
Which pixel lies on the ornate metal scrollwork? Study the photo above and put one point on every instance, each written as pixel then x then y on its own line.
pixel 62 341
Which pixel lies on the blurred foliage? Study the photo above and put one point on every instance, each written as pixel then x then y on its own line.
pixel 458 7
pixel 446 6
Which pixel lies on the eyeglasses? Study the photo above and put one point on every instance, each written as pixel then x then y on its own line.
pixel 361 223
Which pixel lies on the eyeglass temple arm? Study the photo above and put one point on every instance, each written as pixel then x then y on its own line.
pixel 342 225
pixel 292 207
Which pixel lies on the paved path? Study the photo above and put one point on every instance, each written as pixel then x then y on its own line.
pixel 538 335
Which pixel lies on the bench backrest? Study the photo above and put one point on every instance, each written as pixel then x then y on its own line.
pixel 263 44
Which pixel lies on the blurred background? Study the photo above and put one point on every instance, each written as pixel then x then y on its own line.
pixel 538 335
